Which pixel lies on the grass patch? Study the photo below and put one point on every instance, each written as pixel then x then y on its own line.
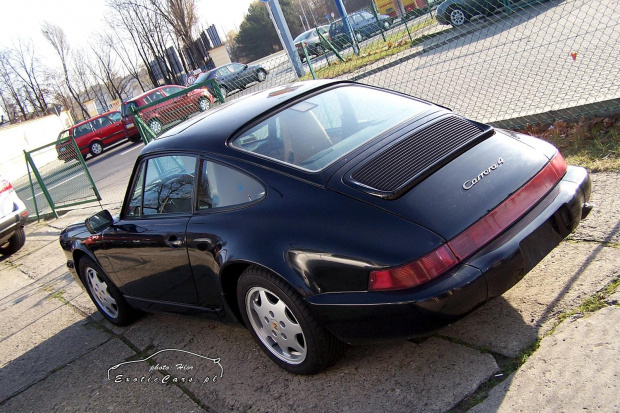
pixel 395 43
pixel 592 143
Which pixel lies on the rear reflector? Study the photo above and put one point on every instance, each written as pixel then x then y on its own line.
pixel 5 186
pixel 473 238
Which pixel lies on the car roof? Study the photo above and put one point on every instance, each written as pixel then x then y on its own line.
pixel 148 92
pixel 210 132
pixel 90 119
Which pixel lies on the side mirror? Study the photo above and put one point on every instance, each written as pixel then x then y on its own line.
pixel 99 222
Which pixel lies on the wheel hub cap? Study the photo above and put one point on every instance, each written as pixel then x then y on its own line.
pixel 275 325
pixel 99 290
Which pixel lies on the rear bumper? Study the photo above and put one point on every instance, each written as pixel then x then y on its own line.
pixel 13 221
pixel 365 317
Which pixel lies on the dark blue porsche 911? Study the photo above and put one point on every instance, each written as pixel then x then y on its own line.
pixel 327 212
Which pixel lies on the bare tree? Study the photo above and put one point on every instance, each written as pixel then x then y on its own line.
pixel 127 58
pixel 26 66
pixel 181 16
pixel 57 38
pixel 104 68
pixel 10 88
pixel 149 33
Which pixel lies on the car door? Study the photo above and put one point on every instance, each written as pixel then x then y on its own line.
pixel 179 106
pixel 240 74
pixel 83 135
pixel 224 77
pixel 108 130
pixel 147 247
pixel 224 194
pixel 368 24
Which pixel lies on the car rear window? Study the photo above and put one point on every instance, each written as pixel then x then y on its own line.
pixel 314 133
pixel 125 109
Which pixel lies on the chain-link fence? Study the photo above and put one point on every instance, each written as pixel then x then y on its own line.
pixel 509 63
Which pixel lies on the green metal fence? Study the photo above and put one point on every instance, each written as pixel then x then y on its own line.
pixel 55 180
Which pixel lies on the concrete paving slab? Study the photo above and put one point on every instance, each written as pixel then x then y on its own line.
pixel 432 376
pixel 39 332
pixel 574 369
pixel 83 386
pixel 567 276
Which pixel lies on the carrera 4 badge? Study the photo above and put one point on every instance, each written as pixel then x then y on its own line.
pixel 471 182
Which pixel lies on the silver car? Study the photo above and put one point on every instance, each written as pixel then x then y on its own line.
pixel 13 216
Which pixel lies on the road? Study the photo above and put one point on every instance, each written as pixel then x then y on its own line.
pixel 67 182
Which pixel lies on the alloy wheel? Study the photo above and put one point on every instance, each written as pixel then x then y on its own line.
pixel 275 325
pixel 457 17
pixel 99 291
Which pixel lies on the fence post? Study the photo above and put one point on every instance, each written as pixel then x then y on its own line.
pixel 303 46
pixel 400 5
pixel 34 197
pixel 41 183
pixel 376 14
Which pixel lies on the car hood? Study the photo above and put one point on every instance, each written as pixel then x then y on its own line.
pixel 445 175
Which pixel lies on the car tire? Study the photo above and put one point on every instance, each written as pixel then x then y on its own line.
pixel 15 243
pixel 95 148
pixel 277 316
pixel 156 126
pixel 458 17
pixel 261 75
pixel 204 104
pixel 386 25
pixel 107 298
pixel 359 37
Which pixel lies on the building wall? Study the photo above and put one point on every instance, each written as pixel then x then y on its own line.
pixel 220 56
pixel 29 135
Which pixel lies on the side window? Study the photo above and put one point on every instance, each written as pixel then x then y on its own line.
pixel 114 117
pixel 135 201
pixel 223 71
pixel 82 130
pixel 171 89
pixel 221 186
pixel 236 67
pixel 153 97
pixel 168 184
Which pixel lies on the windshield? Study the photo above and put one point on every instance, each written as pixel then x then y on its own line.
pixel 316 132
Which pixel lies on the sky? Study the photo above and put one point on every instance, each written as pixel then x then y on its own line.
pixel 82 18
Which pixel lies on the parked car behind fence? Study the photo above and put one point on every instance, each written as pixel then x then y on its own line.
pixel 91 136
pixel 158 116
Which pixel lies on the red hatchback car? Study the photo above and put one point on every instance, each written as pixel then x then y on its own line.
pixel 91 135
pixel 167 112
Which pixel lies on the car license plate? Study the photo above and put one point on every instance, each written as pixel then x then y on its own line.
pixel 130 125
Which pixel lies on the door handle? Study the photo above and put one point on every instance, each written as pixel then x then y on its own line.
pixel 174 242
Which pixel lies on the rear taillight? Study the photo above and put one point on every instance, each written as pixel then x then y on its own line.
pixel 513 208
pixel 5 186
pixel 413 273
pixel 473 238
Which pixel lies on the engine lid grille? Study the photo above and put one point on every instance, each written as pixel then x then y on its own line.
pixel 402 165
